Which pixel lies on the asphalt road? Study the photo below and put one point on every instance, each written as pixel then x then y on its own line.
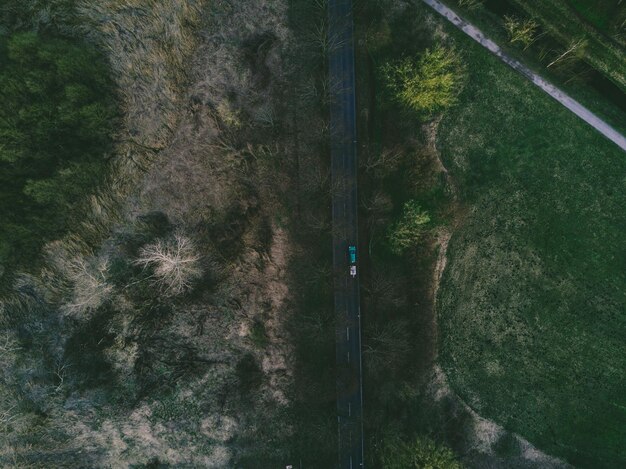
pixel 345 227
pixel 562 97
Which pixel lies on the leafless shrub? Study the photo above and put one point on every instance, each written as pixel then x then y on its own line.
pixel 266 116
pixel 387 343
pixel 378 206
pixel 175 263
pixel 575 51
pixel 60 373
pixel 8 346
pixel 318 38
pixel 382 163
pixel 318 182
pixel 74 276
pixel 91 288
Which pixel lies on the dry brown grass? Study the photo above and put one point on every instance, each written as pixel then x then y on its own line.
pixel 149 44
pixel 198 101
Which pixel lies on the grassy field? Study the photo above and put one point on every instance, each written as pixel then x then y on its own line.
pixel 585 80
pixel 561 20
pixel 532 302
pixel 606 15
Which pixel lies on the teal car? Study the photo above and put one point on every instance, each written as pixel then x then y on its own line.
pixel 352 253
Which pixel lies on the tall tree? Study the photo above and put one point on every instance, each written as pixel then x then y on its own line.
pixel 408 230
pixel 426 85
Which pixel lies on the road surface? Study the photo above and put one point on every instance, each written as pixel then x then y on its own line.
pixel 570 103
pixel 344 208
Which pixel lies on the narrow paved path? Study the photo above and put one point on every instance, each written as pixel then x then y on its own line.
pixel 570 103
pixel 345 227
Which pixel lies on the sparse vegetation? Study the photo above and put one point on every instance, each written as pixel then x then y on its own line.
pixel 181 312
pixel 523 272
pixel 128 342
pixel 401 189
pixel 551 38
pixel 420 453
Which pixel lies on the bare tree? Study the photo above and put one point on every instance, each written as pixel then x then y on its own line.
pixel 379 207
pixel 175 264
pixel 384 162
pixel 90 286
pixel 574 51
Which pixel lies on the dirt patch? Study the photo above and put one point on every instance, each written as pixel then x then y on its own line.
pixel 276 362
pixel 482 438
pixel 442 238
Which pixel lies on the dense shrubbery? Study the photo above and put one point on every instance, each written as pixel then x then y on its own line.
pixel 56 120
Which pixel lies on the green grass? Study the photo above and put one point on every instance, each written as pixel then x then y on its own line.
pixel 606 15
pixel 561 21
pixel 586 80
pixel 533 299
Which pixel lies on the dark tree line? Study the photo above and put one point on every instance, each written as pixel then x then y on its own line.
pixel 57 114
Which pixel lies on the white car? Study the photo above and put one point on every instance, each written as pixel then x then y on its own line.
pixel 353 271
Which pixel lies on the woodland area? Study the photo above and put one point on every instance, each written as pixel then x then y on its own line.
pixel 57 117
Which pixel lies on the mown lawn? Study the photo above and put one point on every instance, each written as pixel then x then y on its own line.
pixel 532 307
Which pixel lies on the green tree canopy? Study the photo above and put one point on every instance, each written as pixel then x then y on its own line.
pixel 408 230
pixel 428 84
pixel 56 118
pixel 420 453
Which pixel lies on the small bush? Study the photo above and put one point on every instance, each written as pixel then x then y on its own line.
pixel 507 446
pixel 249 374
pixel 258 334
pixel 521 31
pixel 471 4
pixel 419 454
pixel 408 231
